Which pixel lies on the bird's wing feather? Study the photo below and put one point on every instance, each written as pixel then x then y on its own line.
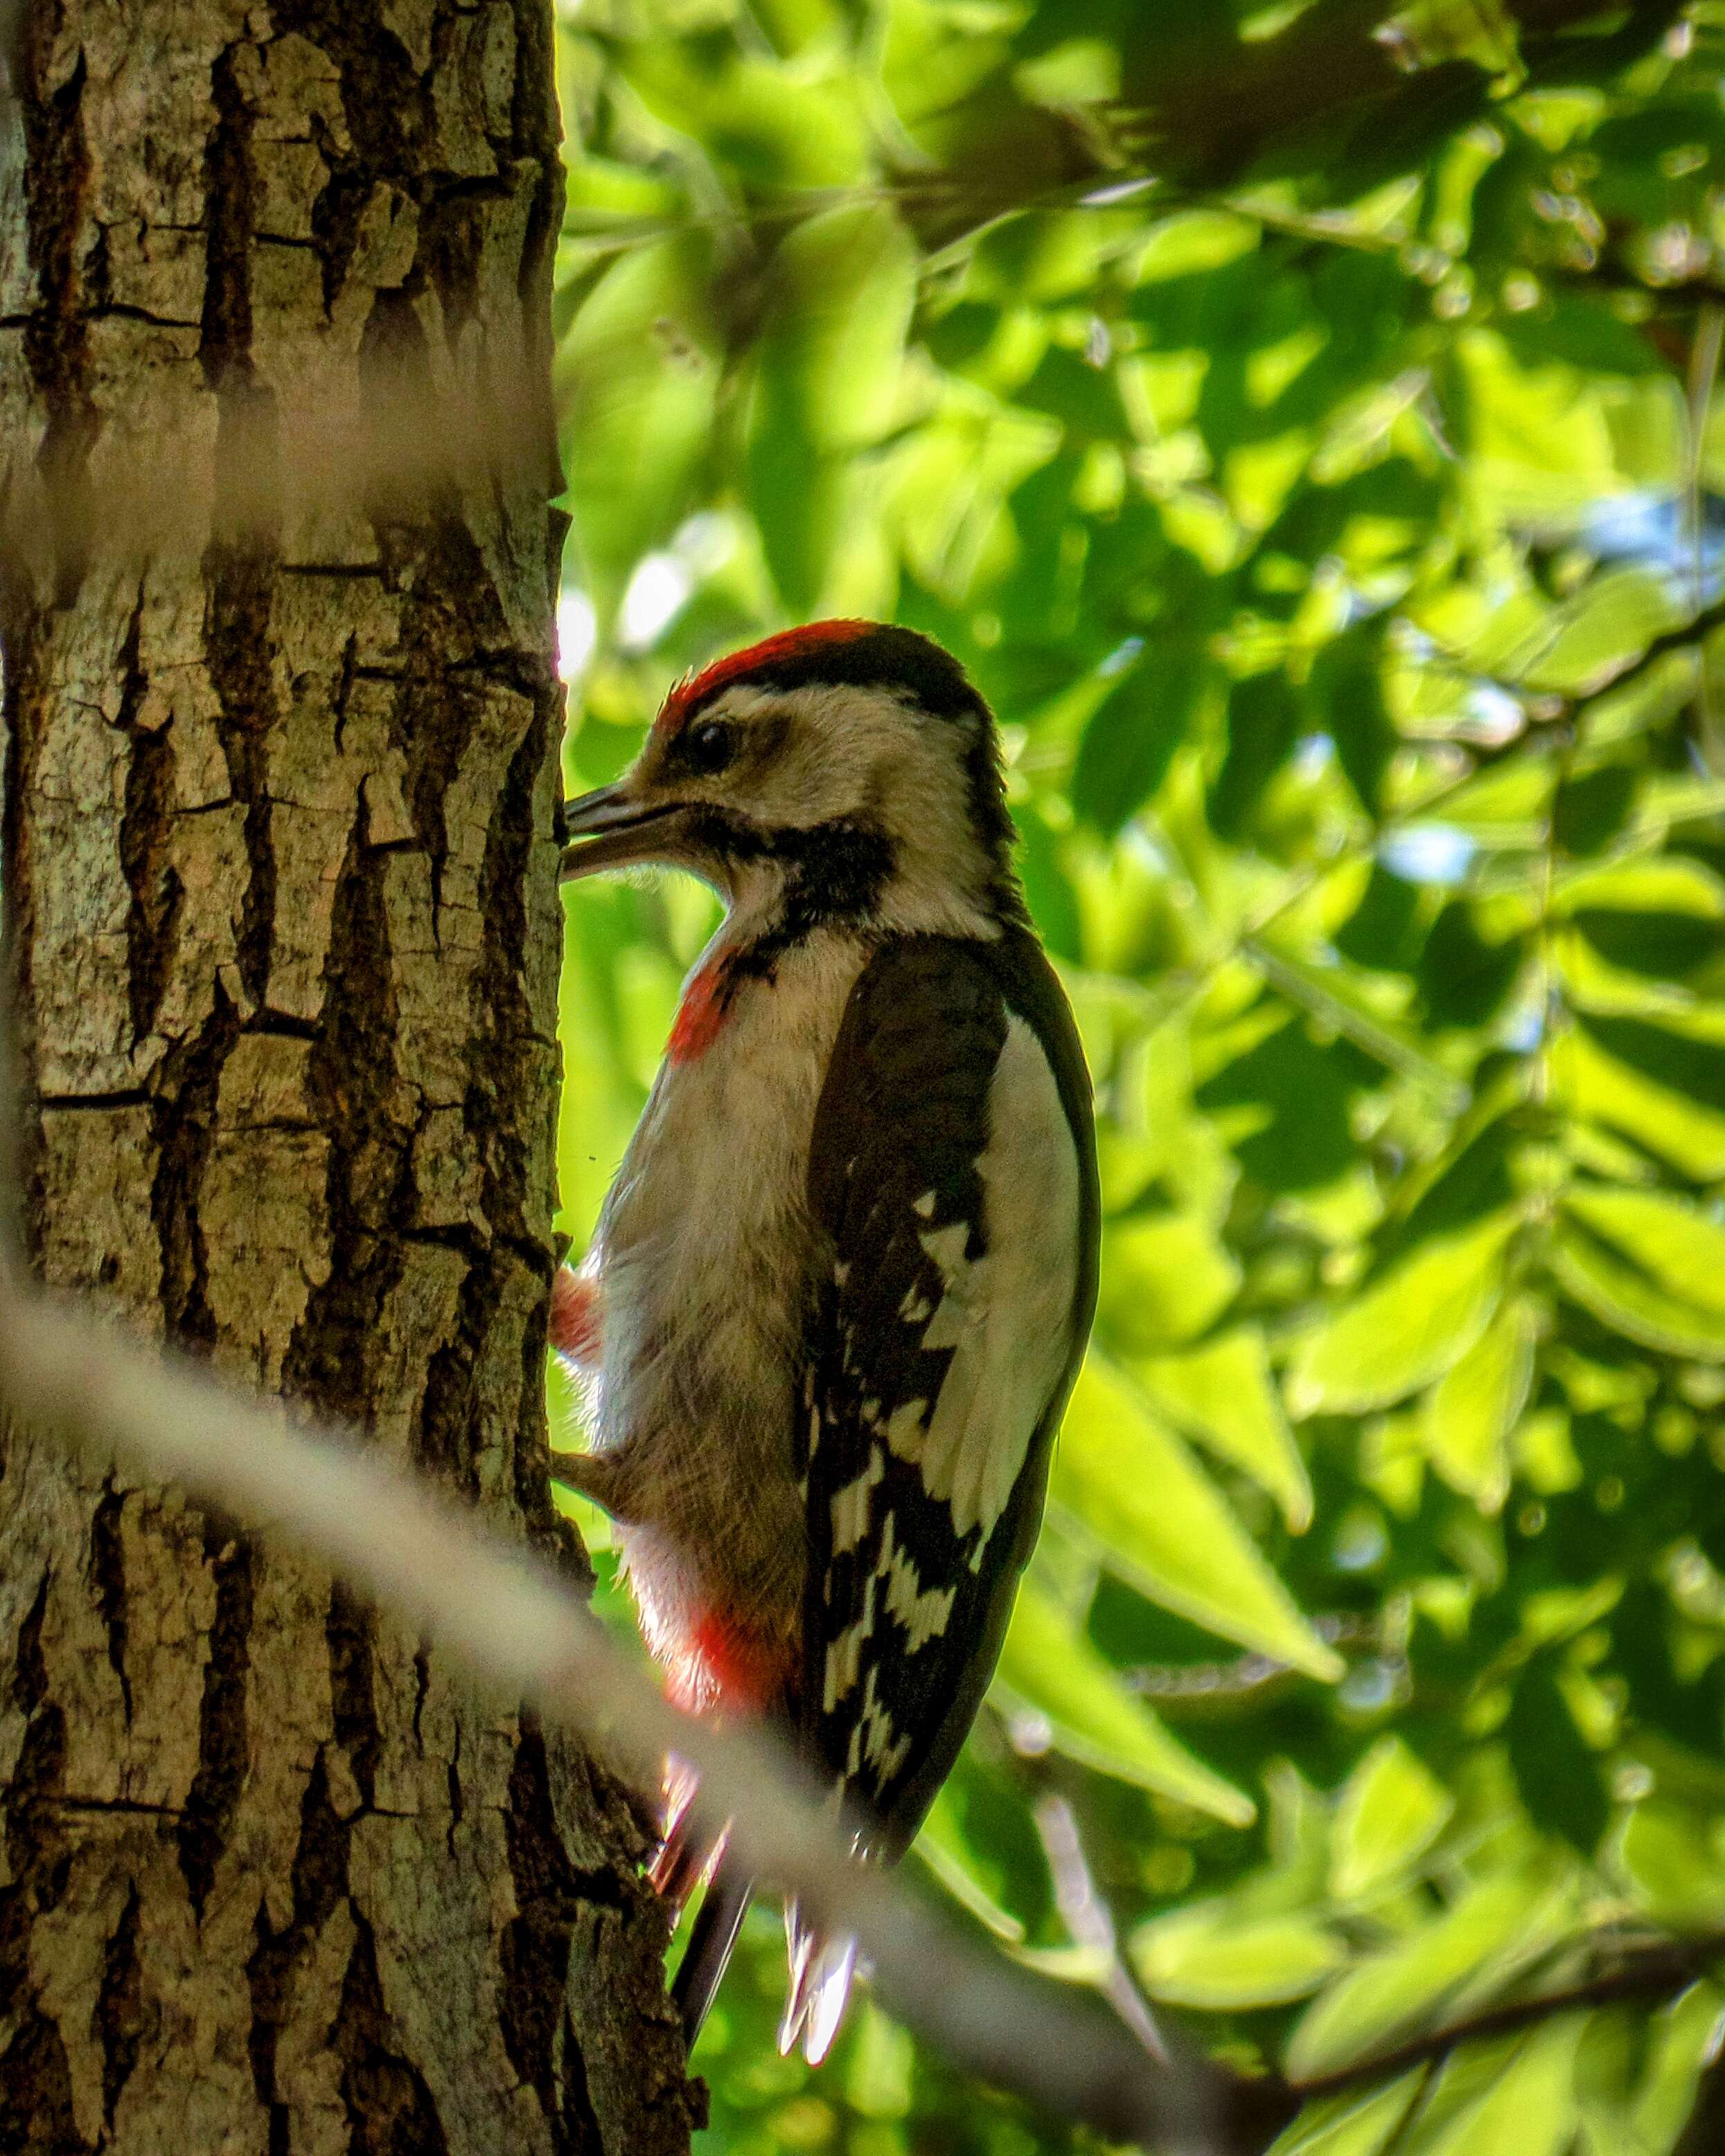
pixel 954 1181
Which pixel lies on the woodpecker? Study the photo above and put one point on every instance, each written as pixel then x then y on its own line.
pixel 842 1282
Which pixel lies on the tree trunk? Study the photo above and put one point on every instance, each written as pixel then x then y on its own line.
pixel 280 781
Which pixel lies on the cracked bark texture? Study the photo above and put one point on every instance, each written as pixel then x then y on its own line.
pixel 280 777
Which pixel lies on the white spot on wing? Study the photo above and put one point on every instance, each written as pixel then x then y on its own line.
pixel 924 1205
pixel 850 1506
pixel 845 1653
pixel 923 1612
pixel 885 1753
pixel 904 1433
pixel 945 1246
pixel 1006 1314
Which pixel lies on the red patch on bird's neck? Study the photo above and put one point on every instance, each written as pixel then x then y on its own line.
pixel 770 651
pixel 702 1012
pixel 575 1330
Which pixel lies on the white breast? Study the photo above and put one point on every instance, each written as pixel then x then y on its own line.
pixel 705 1252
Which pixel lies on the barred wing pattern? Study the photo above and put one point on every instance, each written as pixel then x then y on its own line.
pixel 955 1181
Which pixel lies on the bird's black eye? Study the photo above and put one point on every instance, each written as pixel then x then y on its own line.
pixel 709 746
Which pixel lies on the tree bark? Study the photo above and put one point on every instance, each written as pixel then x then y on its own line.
pixel 280 784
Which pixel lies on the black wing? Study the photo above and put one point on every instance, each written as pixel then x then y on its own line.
pixel 954 1178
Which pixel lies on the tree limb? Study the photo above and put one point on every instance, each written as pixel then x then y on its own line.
pixel 1652 1971
pixel 519 1629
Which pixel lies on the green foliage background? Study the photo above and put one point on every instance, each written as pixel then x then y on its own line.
pixel 1301 420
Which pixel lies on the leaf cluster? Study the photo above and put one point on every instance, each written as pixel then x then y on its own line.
pixel 1300 419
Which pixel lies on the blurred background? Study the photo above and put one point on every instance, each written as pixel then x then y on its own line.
pixel 1302 420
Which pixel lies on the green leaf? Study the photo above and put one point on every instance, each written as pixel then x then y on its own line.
pixel 1049 1666
pixel 1206 1956
pixel 1469 1954
pixel 840 294
pixel 1223 1394
pixel 636 381
pixel 1685 2040
pixel 1528 2106
pixel 1335 997
pixel 1351 2124
pixel 1391 1809
pixel 1466 1418
pixel 1132 736
pixel 1165 1277
pixel 1670 884
pixel 1671 1857
pixel 1163 1526
pixel 945 1848
pixel 1412 1324
pixel 1687 1133
pixel 1624 1296
pixel 1671 1238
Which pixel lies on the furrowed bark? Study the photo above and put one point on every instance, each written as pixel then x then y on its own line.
pixel 279 785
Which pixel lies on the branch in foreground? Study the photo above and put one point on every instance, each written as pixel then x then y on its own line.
pixel 517 1628
pixel 1659 1971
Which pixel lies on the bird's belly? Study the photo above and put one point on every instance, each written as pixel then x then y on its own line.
pixel 708 1255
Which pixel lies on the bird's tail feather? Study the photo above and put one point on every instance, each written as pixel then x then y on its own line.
pixel 716 1923
pixel 821 1970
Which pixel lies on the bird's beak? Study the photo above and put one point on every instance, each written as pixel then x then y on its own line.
pixel 614 828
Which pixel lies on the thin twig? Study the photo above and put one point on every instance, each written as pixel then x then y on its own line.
pixel 1658 1970
pixel 1089 1920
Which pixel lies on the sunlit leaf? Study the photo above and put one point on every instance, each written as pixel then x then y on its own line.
pixel 1473 1950
pixel 1165 1529
pixel 1466 1418
pixel 1206 1956
pixel 1687 1133
pixel 1352 2123
pixel 1527 2106
pixel 1416 1322
pixel 1222 1393
pixel 1391 1810
pixel 1048 1668
pixel 1674 1240
pixel 1166 1277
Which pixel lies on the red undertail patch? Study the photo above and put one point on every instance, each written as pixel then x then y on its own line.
pixel 725 1666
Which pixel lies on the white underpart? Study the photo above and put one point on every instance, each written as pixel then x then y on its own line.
pixel 1008 1314
pixel 706 1254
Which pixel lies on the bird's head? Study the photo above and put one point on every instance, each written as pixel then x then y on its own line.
pixel 844 771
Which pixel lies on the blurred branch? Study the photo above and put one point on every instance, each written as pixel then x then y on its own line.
pixel 520 1629
pixel 1650 1973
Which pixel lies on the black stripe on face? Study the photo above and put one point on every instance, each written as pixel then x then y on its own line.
pixel 833 873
